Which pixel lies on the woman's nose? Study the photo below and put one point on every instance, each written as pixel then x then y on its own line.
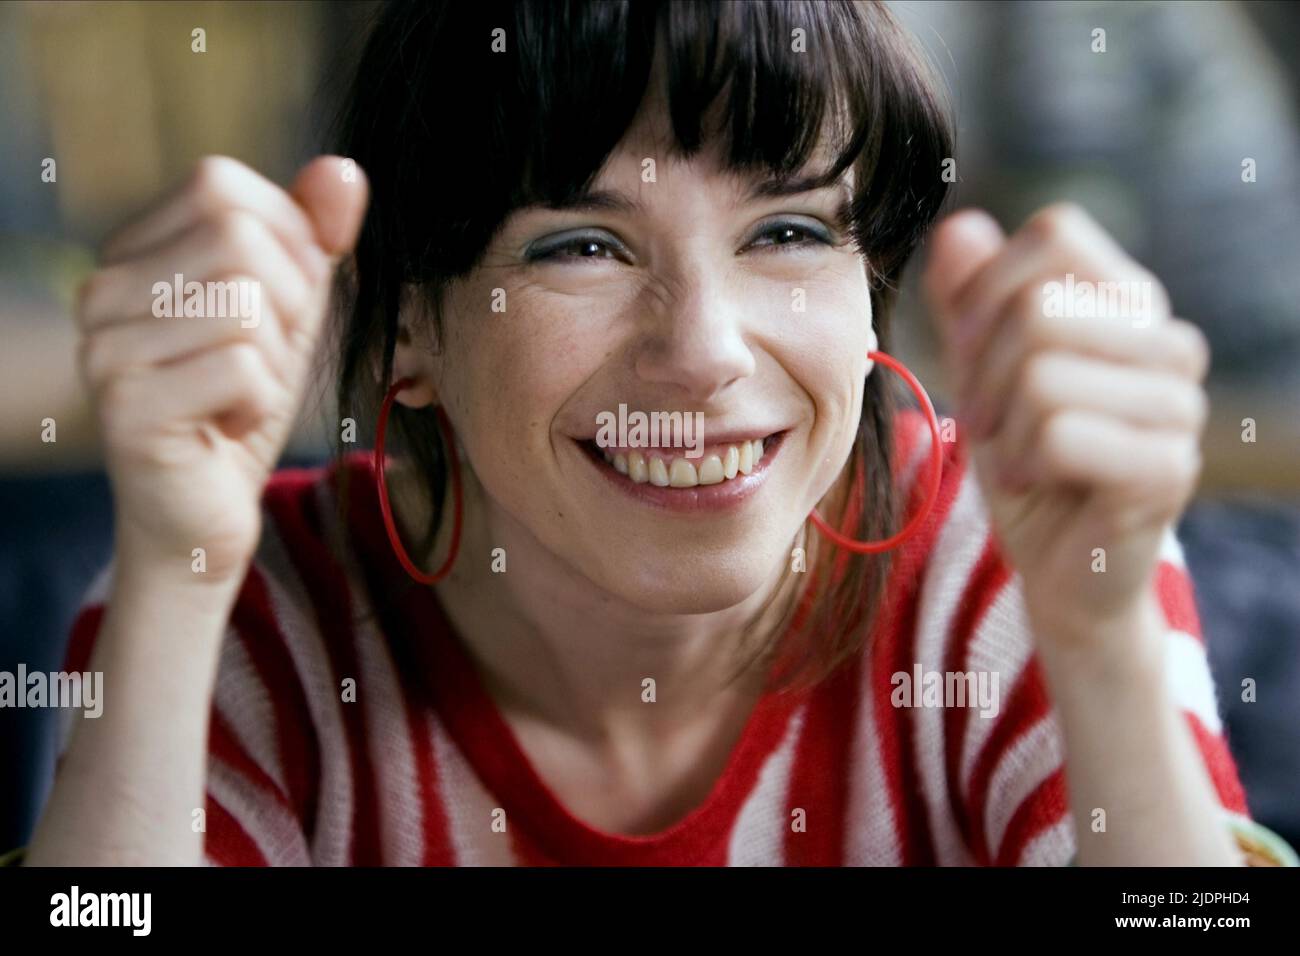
pixel 694 340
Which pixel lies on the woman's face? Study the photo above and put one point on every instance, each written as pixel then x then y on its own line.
pixel 685 294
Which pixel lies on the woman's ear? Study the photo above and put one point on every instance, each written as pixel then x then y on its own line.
pixel 413 357
pixel 873 343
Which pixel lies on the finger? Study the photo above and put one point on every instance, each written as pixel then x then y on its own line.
pixel 962 245
pixel 334 192
pixel 1062 225
pixel 1038 299
pixel 232 242
pixel 220 183
pixel 124 348
pixel 1176 347
pixel 1092 450
pixel 1058 382
pixel 1057 242
pixel 232 384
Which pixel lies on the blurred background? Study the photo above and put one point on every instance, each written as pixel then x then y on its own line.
pixel 1151 134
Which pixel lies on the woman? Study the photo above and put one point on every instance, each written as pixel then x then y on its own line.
pixel 614 651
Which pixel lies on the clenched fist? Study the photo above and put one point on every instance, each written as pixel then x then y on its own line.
pixel 194 407
pixel 1081 397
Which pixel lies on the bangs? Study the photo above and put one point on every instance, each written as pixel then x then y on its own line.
pixel 730 74
pixel 531 114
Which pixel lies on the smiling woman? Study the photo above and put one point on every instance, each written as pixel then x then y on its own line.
pixel 626 198
pixel 629 656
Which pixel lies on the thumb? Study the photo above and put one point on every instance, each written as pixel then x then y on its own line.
pixel 334 192
pixel 960 247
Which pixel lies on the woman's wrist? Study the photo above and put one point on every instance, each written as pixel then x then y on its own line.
pixel 159 613
pixel 143 564
pixel 1084 651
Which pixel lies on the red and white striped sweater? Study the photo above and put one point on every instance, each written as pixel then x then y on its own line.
pixel 419 767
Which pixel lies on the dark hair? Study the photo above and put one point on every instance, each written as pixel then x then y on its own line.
pixel 454 136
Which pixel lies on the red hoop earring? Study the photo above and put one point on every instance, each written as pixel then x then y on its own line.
pixel 932 489
pixel 449 436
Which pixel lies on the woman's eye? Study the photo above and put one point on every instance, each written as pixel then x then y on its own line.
pixel 575 247
pixel 795 234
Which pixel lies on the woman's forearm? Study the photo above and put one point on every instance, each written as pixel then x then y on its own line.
pixel 194 412
pixel 1129 750
pixel 131 779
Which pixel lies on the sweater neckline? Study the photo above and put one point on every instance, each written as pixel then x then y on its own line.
pixel 449 681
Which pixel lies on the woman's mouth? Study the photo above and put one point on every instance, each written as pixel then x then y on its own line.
pixel 722 476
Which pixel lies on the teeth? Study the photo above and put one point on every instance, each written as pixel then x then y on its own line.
pixel 731 464
pixel 746 463
pixel 658 473
pixel 711 470
pixel 738 459
pixel 682 474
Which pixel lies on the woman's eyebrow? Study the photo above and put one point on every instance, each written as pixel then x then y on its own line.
pixel 799 185
pixel 592 201
pixel 794 186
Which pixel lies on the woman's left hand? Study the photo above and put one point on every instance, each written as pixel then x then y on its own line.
pixel 1084 424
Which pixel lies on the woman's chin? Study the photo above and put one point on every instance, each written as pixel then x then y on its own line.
pixel 687 585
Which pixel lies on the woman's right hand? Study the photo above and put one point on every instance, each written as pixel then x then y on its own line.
pixel 195 410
